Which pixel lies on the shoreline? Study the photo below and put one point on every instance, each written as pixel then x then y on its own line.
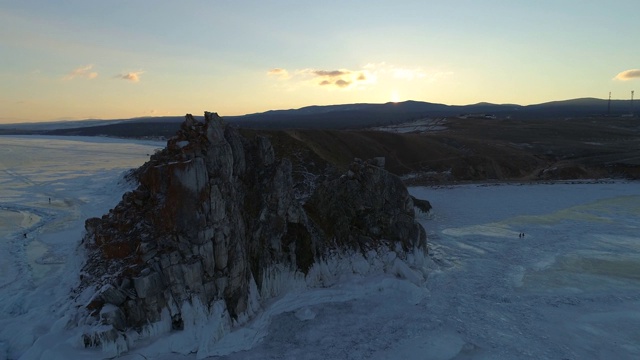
pixel 515 182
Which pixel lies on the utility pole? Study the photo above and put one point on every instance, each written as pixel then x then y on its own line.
pixel 609 105
pixel 631 103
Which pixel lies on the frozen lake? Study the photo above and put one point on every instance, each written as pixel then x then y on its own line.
pixel 570 289
pixel 48 186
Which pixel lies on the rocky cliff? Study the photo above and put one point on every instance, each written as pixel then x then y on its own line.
pixel 213 215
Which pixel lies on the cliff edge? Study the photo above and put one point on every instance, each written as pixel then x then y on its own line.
pixel 216 219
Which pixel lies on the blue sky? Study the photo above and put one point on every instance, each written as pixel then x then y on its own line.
pixel 119 59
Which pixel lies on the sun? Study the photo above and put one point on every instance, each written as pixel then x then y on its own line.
pixel 395 96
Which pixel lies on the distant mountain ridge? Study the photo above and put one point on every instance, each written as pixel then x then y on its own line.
pixel 368 115
pixel 344 116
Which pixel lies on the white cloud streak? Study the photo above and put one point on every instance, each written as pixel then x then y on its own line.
pixel 133 76
pixel 628 75
pixel 82 72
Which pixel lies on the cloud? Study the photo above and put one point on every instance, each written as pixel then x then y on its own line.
pixel 278 72
pixel 330 73
pixel 82 72
pixel 342 83
pixel 348 79
pixel 131 76
pixel 340 78
pixel 339 83
pixel 628 75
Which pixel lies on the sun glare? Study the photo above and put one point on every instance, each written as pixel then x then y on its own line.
pixel 395 97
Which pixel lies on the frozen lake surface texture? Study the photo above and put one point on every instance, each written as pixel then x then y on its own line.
pixel 570 289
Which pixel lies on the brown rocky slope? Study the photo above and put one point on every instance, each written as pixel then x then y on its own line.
pixel 478 150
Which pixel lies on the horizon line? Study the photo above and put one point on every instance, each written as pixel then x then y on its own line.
pixel 71 119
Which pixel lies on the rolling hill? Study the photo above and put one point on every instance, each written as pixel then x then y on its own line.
pixel 347 116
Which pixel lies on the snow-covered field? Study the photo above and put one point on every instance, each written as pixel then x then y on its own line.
pixel 416 126
pixel 570 289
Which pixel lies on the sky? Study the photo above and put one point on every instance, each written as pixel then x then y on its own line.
pixel 70 60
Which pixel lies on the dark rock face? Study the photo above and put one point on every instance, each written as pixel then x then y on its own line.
pixel 365 206
pixel 213 211
pixel 422 205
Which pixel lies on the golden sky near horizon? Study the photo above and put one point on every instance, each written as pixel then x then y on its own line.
pixel 121 59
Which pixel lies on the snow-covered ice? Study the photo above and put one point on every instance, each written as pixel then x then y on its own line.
pixel 416 126
pixel 570 289
pixel 48 187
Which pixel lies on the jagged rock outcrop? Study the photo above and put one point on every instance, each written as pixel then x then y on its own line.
pixel 424 206
pixel 213 211
pixel 364 206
